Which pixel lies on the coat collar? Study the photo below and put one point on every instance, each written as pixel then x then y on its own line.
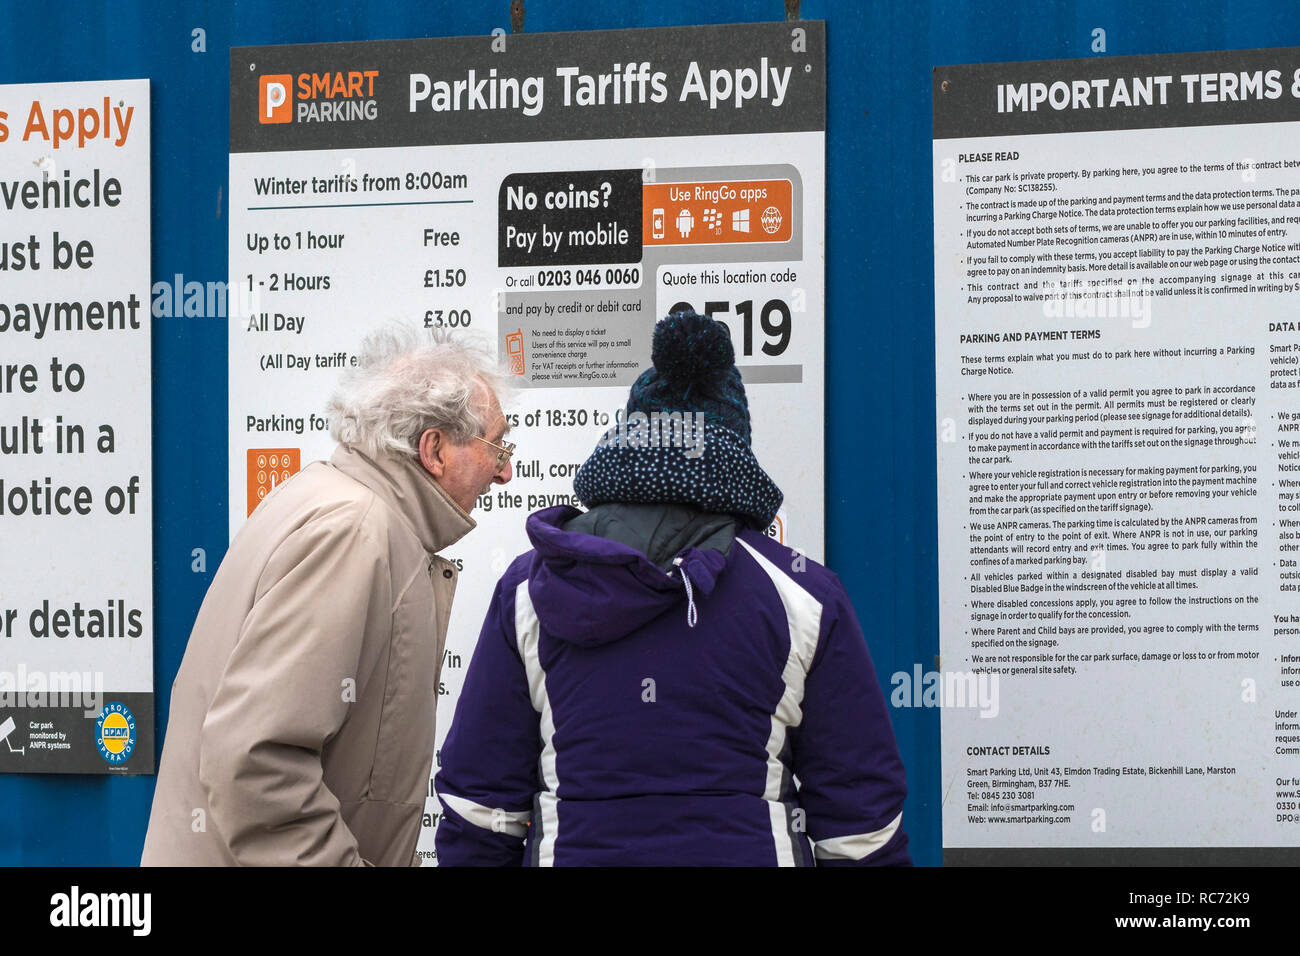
pixel 409 490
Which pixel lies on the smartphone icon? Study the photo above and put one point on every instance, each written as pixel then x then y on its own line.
pixel 657 224
pixel 515 351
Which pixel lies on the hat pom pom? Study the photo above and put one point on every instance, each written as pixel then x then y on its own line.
pixel 691 349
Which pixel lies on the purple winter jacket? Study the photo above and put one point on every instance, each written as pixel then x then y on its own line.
pixel 596 726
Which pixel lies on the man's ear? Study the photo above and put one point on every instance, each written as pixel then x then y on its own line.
pixel 433 446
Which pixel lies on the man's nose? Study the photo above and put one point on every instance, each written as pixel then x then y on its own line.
pixel 505 474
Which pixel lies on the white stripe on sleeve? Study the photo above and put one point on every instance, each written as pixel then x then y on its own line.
pixel 856 846
pixel 803 615
pixel 528 636
pixel 512 822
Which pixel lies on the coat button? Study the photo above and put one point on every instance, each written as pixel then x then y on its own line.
pixel 446 572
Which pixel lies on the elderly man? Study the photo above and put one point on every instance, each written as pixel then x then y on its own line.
pixel 302 718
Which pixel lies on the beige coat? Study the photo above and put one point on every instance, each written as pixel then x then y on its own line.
pixel 302 718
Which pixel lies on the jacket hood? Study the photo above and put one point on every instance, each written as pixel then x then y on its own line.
pixel 591 590
pixel 404 485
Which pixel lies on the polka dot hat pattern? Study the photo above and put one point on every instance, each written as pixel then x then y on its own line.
pixel 726 478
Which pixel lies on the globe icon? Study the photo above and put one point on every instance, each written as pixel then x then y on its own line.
pixel 771 219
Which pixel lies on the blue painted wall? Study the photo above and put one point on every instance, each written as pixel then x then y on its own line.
pixel 880 470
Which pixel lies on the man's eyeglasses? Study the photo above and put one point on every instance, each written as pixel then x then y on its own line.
pixel 504 451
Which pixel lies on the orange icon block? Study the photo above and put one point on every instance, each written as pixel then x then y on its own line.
pixel 268 468
pixel 683 214
pixel 275 98
pixel 515 350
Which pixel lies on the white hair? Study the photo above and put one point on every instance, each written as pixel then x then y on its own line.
pixel 407 381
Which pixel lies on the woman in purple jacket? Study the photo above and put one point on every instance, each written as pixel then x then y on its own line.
pixel 658 682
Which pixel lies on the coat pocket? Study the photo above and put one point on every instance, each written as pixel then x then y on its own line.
pixel 405 743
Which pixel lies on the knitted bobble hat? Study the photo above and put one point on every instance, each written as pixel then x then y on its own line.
pixel 685 435
pixel 694 370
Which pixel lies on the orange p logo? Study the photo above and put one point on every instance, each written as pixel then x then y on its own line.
pixel 274 99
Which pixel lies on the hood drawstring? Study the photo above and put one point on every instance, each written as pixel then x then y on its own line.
pixel 692 614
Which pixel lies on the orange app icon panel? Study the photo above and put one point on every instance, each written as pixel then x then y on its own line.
pixel 677 214
pixel 268 468
pixel 275 98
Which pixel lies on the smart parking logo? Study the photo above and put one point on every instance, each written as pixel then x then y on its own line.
pixel 115 733
pixel 331 97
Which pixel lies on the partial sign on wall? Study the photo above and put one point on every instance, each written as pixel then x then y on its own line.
pixel 1117 262
pixel 76 479
pixel 554 195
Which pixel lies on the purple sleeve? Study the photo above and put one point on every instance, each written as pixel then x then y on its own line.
pixel 488 776
pixel 851 779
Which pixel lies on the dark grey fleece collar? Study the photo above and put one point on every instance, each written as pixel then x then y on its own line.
pixel 660 531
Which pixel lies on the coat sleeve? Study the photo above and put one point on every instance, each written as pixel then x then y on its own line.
pixel 281 697
pixel 488 777
pixel 851 779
